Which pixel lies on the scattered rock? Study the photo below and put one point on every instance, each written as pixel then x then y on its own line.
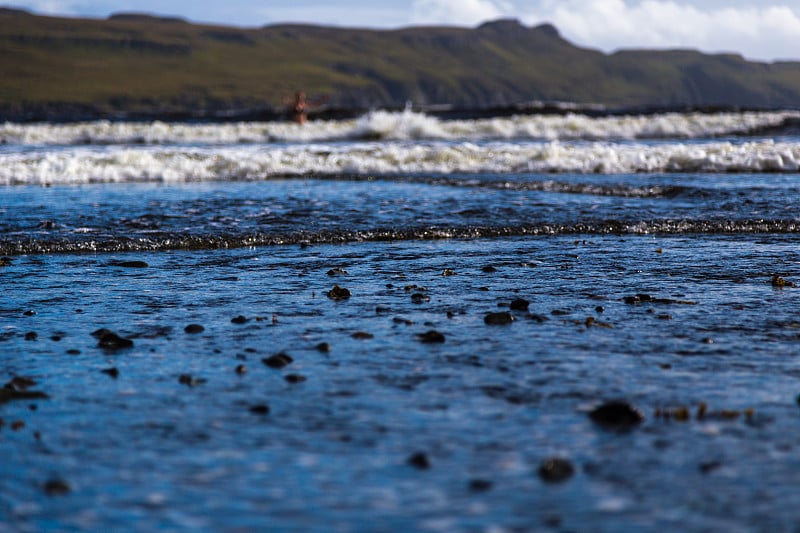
pixel 261 409
pixel 337 272
pixel 537 317
pixel 55 338
pixel 520 304
pixel 19 383
pixel 779 282
pixel 710 466
pixel 479 485
pixel 448 272
pixel 190 381
pixel 56 487
pixel 111 341
pixel 113 372
pixel 419 298
pixel 498 319
pixel 489 269
pixel 362 335
pixel 294 378
pixel 556 470
pixel 401 320
pixel 29 312
pixel 379 310
pixel 7 395
pixel 5 261
pixel 323 347
pixel 419 460
pixel 599 309
pixel 241 369
pixel 194 328
pixel 431 337
pixel 338 293
pixel 16 425
pixel 241 319
pixel 31 336
pixel 73 351
pixel 279 360
pixel 616 415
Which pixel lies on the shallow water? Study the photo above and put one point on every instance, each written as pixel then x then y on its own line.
pixel 658 272
pixel 490 403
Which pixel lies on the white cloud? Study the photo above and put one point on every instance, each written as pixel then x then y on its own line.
pixel 457 12
pixel 758 32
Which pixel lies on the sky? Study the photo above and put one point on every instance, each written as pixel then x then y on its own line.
pixel 765 30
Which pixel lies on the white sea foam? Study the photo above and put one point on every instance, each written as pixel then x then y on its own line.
pixel 257 162
pixel 406 125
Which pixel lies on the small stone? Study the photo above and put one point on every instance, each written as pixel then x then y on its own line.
pixel 194 328
pixel 419 298
pixel 489 269
pixel 338 293
pixel 56 487
pixel 419 460
pixel 241 369
pixel 55 338
pixel 430 337
pixel 241 319
pixel 113 372
pixel 379 310
pixel 337 272
pixel 31 336
pixel 520 304
pixel 29 312
pixel 599 309
pixel 323 347
pixel 556 470
pixel 111 341
pixel 261 409
pixel 498 319
pixel 362 335
pixel 616 415
pixel 189 380
pixel 448 272
pixel 279 360
pixel 19 383
pixel 479 485
pixel 16 425
pixel 294 378
pixel 73 351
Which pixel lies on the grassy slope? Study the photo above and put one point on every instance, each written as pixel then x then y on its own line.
pixel 148 63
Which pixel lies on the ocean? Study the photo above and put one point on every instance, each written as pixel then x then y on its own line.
pixel 401 323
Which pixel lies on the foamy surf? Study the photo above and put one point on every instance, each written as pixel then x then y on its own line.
pixel 179 164
pixel 405 125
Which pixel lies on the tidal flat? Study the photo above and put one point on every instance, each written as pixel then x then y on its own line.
pixel 404 406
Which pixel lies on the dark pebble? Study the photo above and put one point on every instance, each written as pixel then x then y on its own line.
pixel 338 293
pixel 537 318
pixel 73 351
pixel 448 272
pixel 707 468
pixel 599 308
pixel 262 409
pixel 337 272
pixel 56 487
pixel 31 336
pixel 194 328
pixel 19 383
pixel 382 310
pixel 7 395
pixel 294 378
pixel 99 333
pixel 431 336
pixel 419 460
pixel 189 380
pixel 362 335
pixel 401 320
pixel 556 470
pixel 241 369
pixel 239 319
pixel 323 347
pixel 279 360
pixel 616 415
pixel 479 485
pixel 111 341
pixel 419 298
pixel 29 312
pixel 489 269
pixel 520 304
pixel 498 319
pixel 113 372
pixel 55 338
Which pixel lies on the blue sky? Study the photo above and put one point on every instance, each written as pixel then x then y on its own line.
pixel 766 30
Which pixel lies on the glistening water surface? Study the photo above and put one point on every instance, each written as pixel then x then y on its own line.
pixel 401 324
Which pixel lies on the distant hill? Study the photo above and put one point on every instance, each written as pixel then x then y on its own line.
pixel 141 65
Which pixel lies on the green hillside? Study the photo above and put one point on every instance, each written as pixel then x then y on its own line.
pixel 145 64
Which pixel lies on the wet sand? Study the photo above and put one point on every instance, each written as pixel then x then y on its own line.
pixel 432 398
